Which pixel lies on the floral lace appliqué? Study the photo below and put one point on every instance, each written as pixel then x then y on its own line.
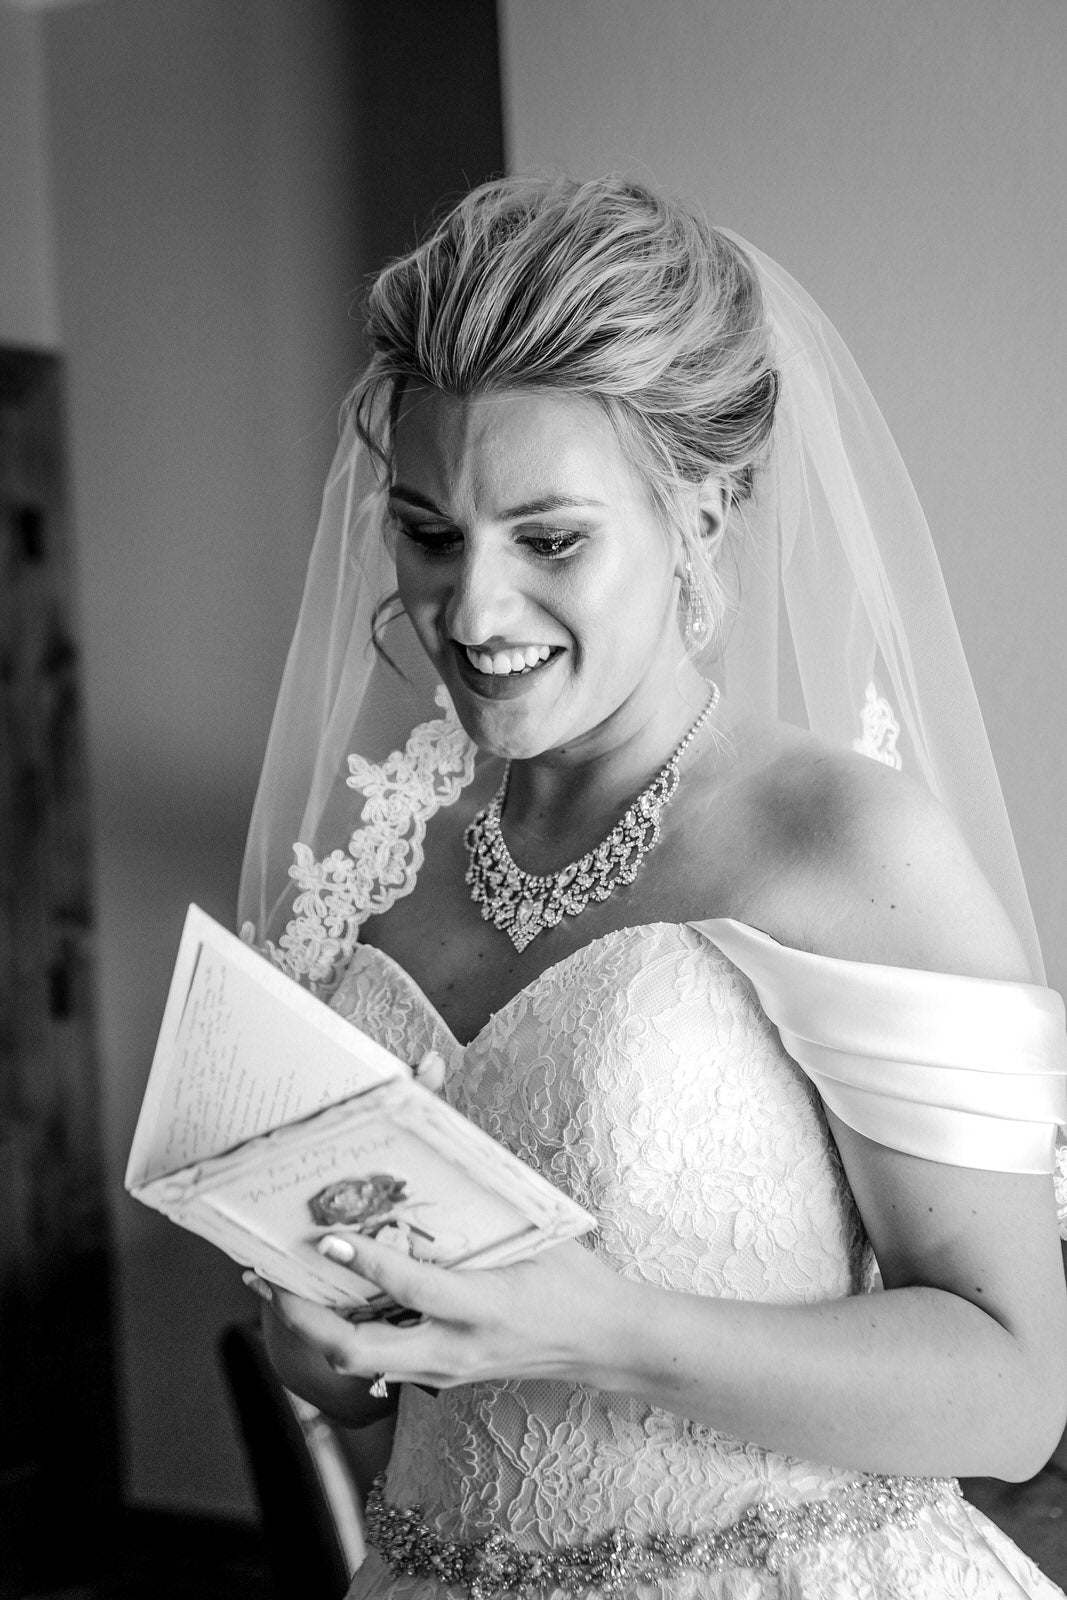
pixel 339 892
pixel 881 730
pixel 641 1075
pixel 1059 1177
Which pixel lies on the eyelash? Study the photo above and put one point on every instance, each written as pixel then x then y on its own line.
pixel 553 545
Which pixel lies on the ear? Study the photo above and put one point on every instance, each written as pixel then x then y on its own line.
pixel 709 508
pixel 713 508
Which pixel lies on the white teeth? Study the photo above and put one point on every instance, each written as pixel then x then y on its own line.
pixel 508 661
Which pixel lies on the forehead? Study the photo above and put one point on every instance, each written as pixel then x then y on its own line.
pixel 480 450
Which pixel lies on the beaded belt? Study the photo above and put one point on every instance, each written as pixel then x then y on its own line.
pixel 764 1536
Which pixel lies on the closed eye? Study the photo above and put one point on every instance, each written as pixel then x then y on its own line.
pixel 432 537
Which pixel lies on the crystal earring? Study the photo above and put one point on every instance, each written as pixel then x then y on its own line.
pixel 695 620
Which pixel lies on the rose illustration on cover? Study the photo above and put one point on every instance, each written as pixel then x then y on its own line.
pixel 358 1202
pixel 379 1206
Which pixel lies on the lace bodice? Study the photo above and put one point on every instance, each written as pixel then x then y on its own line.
pixel 642 1075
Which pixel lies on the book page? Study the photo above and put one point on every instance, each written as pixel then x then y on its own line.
pixel 247 1051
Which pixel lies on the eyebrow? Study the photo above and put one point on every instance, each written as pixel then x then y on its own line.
pixel 529 508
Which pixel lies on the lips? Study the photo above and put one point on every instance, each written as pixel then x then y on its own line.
pixel 497 684
pixel 501 663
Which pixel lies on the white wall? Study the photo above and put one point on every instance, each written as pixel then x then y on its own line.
pixel 904 159
pixel 27 283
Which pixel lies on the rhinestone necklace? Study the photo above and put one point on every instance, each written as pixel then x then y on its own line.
pixel 521 904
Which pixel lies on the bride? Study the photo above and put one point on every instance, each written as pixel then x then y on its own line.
pixel 769 1008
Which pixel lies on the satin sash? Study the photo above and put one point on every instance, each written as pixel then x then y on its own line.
pixel 968 1071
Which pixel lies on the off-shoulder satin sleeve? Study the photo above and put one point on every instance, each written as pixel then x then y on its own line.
pixel 968 1071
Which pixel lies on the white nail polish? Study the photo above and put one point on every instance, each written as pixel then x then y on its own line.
pixel 430 1071
pixel 335 1249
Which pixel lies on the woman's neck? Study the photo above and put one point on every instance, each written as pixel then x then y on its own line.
pixel 563 802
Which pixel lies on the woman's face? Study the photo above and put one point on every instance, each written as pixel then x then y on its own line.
pixel 535 571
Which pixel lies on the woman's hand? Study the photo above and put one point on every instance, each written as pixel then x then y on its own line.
pixel 562 1315
pixel 303 1369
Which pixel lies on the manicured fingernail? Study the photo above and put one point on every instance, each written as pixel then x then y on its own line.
pixel 430 1071
pixel 257 1285
pixel 336 1249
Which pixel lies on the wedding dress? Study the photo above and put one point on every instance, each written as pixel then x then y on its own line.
pixel 647 1074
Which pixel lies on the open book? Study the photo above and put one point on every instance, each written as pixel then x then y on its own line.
pixel 269 1120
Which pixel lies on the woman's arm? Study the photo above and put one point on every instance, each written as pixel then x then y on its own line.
pixel 958 1368
pixel 973 1328
pixel 918 1379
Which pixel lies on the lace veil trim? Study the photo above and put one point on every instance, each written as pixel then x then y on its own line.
pixel 881 730
pixel 339 892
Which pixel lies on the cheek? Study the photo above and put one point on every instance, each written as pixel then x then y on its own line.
pixel 626 601
pixel 418 590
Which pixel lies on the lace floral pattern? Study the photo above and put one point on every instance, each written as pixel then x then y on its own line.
pixel 641 1075
pixel 881 730
pixel 339 893
pixel 1059 1178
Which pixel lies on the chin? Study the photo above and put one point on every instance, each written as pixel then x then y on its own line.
pixel 501 729
pixel 495 738
pixel 503 715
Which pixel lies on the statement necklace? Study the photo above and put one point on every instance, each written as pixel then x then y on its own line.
pixel 520 903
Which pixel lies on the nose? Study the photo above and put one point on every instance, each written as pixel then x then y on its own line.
pixel 483 601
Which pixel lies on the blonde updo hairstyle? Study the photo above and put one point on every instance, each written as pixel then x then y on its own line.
pixel 602 289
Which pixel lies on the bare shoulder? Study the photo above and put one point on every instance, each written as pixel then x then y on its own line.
pixel 864 864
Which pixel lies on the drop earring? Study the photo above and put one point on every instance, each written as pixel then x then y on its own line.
pixel 695 620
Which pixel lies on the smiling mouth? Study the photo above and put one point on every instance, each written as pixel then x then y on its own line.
pixel 509 663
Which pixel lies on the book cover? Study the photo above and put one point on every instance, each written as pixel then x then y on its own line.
pixel 269 1120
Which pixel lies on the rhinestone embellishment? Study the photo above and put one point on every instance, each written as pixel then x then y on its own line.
pixel 765 1536
pixel 522 904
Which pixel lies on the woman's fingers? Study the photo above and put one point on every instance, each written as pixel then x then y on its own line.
pixel 516 1321
pixel 429 1290
pixel 434 1291
pixel 364 1349
pixel 368 1348
pixel 352 1350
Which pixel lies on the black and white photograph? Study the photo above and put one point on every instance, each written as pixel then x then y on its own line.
pixel 533 531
